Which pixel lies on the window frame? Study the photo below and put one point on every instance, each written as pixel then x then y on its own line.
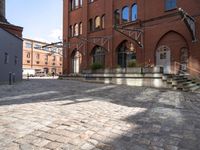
pixel 122 14
pixel 97 21
pixel 134 6
pixel 171 7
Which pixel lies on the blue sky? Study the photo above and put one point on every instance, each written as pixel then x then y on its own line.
pixel 41 19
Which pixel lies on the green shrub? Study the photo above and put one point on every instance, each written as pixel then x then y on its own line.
pixel 96 66
pixel 132 63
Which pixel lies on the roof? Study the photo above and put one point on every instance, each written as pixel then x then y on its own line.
pixel 12 34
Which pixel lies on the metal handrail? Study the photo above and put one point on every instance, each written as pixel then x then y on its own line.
pixel 188 68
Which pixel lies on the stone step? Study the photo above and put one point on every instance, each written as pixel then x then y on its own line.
pixel 195 88
pixel 189 82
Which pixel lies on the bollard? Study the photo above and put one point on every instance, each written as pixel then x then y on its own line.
pixel 13 78
pixel 27 76
pixel 10 78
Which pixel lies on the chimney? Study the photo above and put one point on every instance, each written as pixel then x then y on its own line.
pixel 2 11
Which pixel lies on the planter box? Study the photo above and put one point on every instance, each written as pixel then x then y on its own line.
pixel 134 70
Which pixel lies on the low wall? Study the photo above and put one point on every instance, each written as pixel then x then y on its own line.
pixel 148 80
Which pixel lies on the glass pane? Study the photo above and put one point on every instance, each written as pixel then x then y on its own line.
pixel 125 14
pixel 134 13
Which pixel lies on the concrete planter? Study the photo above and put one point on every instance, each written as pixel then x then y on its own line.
pixel 134 70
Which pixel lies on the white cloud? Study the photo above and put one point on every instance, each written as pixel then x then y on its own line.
pixel 56 34
pixel 40 39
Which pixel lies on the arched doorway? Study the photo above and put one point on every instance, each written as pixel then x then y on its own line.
pixel 98 54
pixel 184 59
pixel 125 54
pixel 169 51
pixel 76 61
pixel 163 58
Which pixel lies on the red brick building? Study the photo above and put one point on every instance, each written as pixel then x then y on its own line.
pixel 115 33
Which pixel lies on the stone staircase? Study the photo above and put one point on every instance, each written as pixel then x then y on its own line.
pixel 182 82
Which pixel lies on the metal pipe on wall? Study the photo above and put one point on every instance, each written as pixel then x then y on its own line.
pixel 2 9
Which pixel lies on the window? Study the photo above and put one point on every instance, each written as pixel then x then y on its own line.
pixel 76 4
pixel 72 5
pixel 91 25
pixel 37 56
pixel 81 3
pixel 16 60
pixel 46 57
pixel 125 14
pixel 71 31
pixel 99 55
pixel 125 56
pixel 103 22
pixel 28 55
pixel 90 1
pixel 81 28
pixel 117 17
pixel 28 45
pixel 37 46
pixel 97 22
pixel 170 4
pixel 28 61
pixel 37 62
pixel 6 58
pixel 46 48
pixel 54 58
pixel 134 12
pixel 76 30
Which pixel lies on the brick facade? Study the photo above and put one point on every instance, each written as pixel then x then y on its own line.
pixel 160 27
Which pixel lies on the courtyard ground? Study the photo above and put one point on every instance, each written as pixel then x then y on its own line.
pixel 73 115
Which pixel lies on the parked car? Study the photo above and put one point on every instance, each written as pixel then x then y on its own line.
pixel 40 74
pixel 29 72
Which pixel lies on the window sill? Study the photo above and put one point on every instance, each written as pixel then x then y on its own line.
pixel 96 30
pixel 92 2
pixel 75 9
pixel 128 23
pixel 71 37
pixel 168 10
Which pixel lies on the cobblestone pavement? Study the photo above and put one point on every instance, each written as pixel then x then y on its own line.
pixel 72 115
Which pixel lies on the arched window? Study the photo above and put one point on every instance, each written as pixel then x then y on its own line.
pixel 81 3
pixel 125 55
pixel 117 17
pixel 28 55
pixel 91 25
pixel 99 55
pixel 134 12
pixel 97 22
pixel 125 14
pixel 72 5
pixel 103 22
pixel 71 31
pixel 81 28
pixel 76 30
pixel 76 61
pixel 76 4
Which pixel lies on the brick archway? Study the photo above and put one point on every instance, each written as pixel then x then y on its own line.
pixel 175 42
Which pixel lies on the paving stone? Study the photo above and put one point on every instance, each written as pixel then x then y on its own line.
pixel 87 146
pixel 83 115
pixel 53 145
pixel 40 142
